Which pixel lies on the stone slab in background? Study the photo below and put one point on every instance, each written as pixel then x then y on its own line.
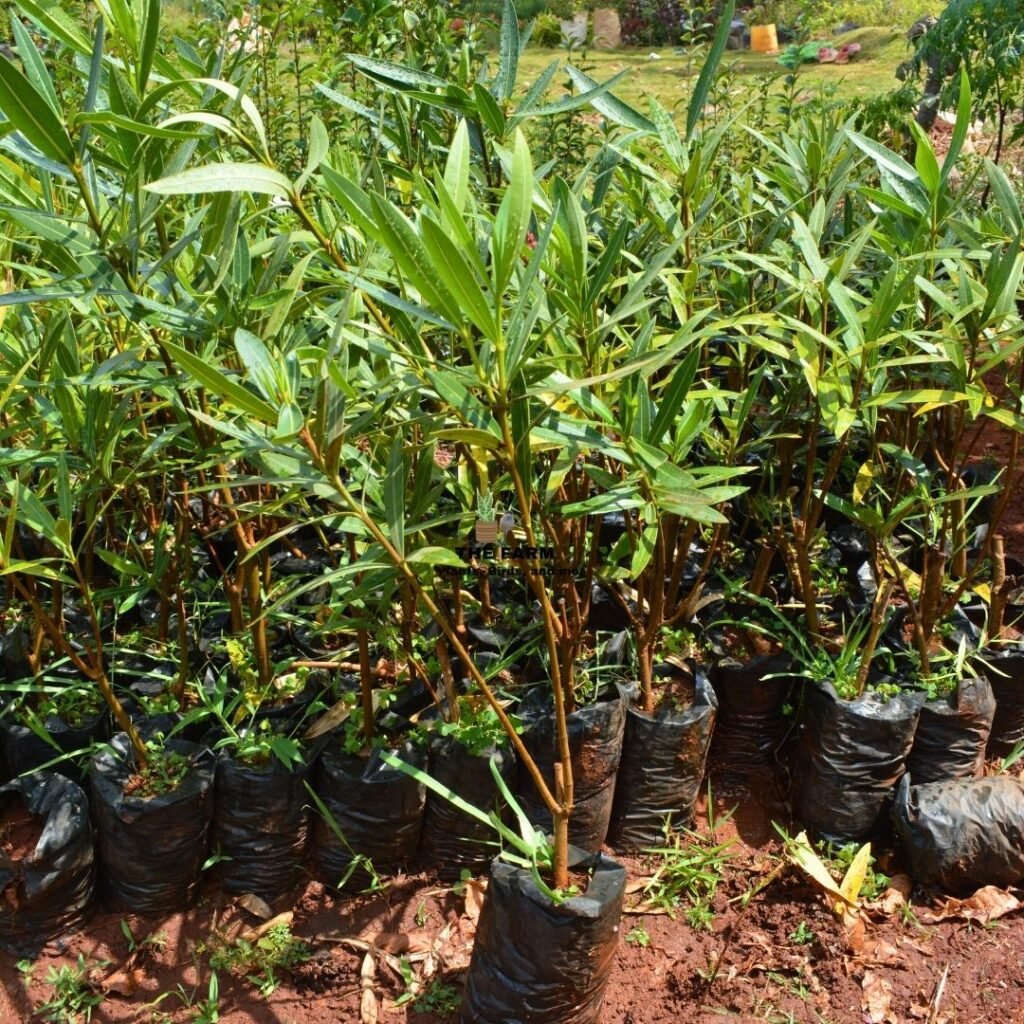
pixel 607 29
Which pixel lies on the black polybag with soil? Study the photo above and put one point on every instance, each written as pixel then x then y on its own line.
pixel 26 751
pixel 535 962
pixel 151 849
pixel 662 766
pixel 1006 677
pixel 261 822
pixel 952 733
pixel 450 839
pixel 377 809
pixel 52 890
pixel 595 748
pixel 752 724
pixel 850 755
pixel 963 834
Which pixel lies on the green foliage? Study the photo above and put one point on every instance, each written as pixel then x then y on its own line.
pixel 985 40
pixel 638 935
pixel 688 873
pixel 437 997
pixel 802 935
pixel 163 773
pixel 261 960
pixel 73 997
pixel 839 858
pixel 257 309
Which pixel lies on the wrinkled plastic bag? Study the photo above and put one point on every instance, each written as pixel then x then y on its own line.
pixel 450 839
pixel 963 834
pixel 261 822
pixel 539 963
pixel 595 748
pixel 850 755
pixel 952 734
pixel 52 890
pixel 377 809
pixel 662 766
pixel 151 850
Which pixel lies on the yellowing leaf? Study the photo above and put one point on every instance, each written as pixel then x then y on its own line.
pixel 984 591
pixel 854 879
pixel 862 482
pixel 803 856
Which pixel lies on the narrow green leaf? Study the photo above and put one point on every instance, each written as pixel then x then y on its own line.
pixel 30 112
pixel 885 158
pixel 221 385
pixel 962 126
pixel 225 177
pixel 147 44
pixel 707 74
pixel 257 362
pixel 925 162
pixel 508 49
pixel 456 170
pixel 35 68
pixel 514 214
pixel 394 493
pixel 610 106
pixel 396 76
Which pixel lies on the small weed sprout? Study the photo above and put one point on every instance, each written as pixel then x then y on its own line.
pixel 690 872
pixel 74 997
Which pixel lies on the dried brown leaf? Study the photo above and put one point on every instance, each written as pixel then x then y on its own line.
pixel 253 934
pixel 894 897
pixel 876 1000
pixel 475 890
pixel 400 943
pixel 256 905
pixel 988 904
pixel 368 1011
pixel 637 885
pixel 122 982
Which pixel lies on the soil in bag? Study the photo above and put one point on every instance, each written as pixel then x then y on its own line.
pixel 850 755
pixel 26 751
pixel 261 822
pixel 963 834
pixel 151 848
pixel 47 873
pixel 1006 677
pixel 952 734
pixel 595 748
pixel 376 812
pixel 535 962
pixel 451 840
pixel 662 766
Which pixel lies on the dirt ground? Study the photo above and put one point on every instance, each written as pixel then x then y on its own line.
pixel 786 957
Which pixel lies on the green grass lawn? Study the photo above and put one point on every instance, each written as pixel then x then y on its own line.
pixel 669 77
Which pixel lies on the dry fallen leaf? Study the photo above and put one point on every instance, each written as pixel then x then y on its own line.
pixel 122 982
pixel 400 943
pixel 253 934
pixel 877 1000
pixel 256 905
pixel 894 897
pixel 475 890
pixel 368 1000
pixel 870 950
pixel 987 904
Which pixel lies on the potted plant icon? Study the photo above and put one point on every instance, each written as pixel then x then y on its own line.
pixel 486 525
